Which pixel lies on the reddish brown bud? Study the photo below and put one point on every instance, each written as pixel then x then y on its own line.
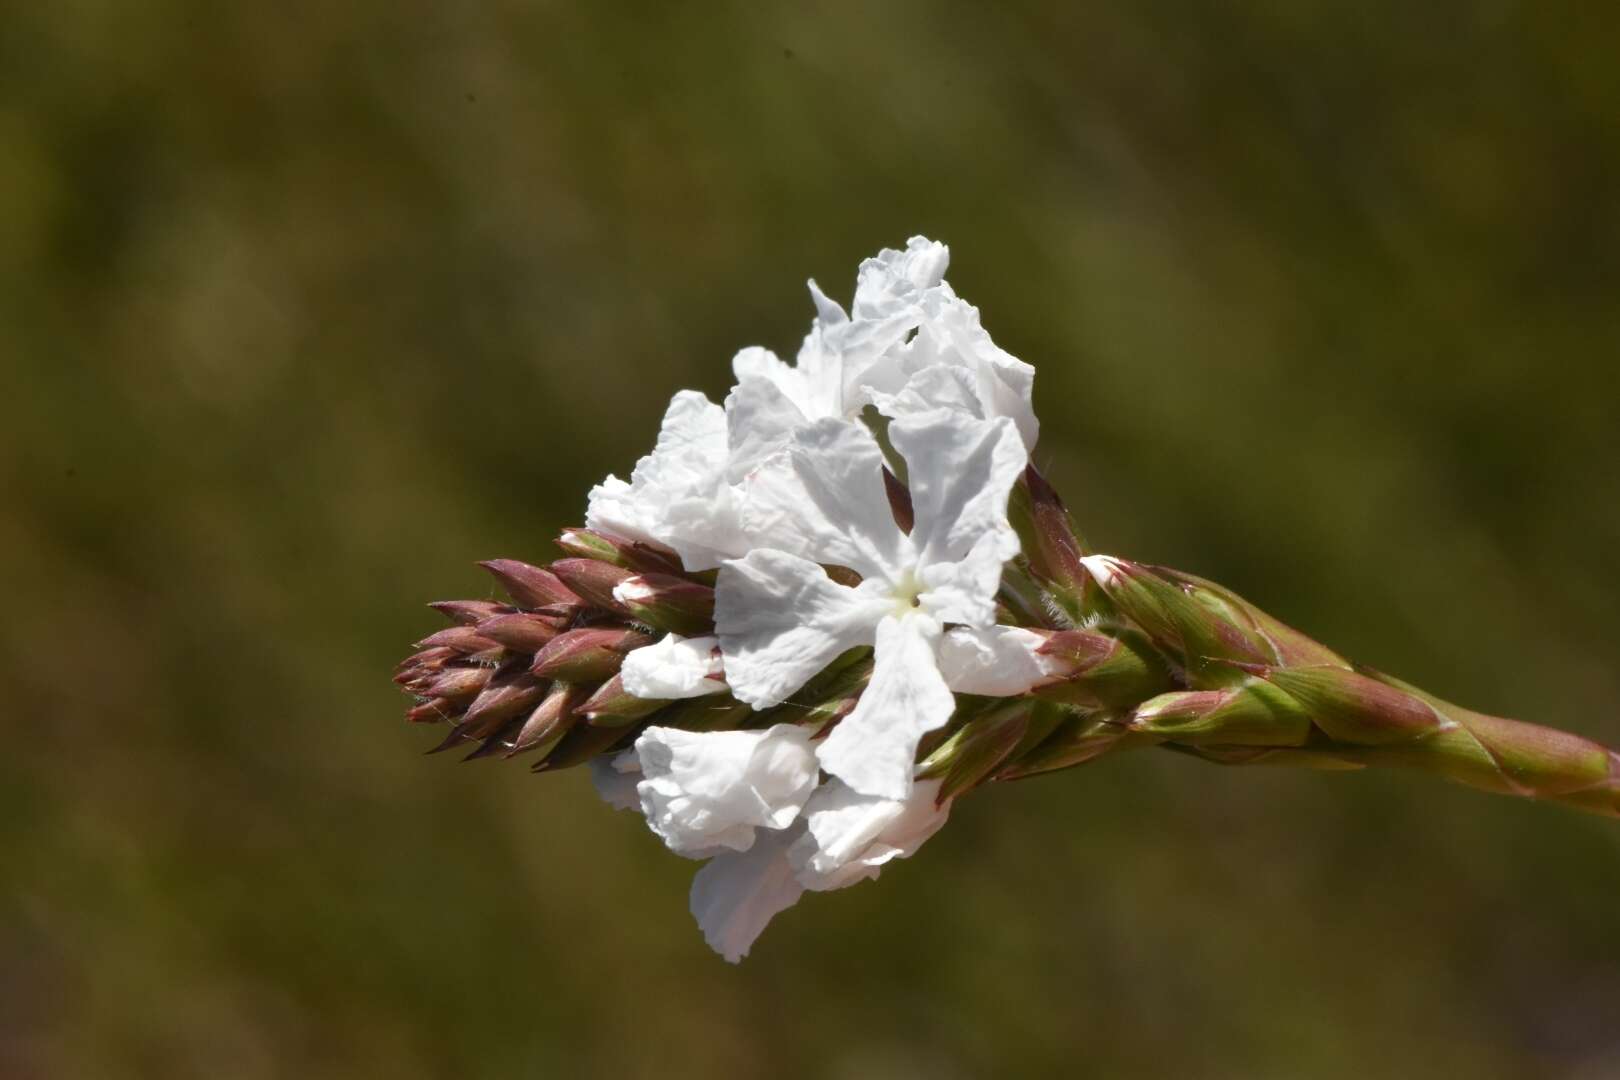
pixel 637 555
pixel 467 612
pixel 899 501
pixel 550 720
pixel 593 580
pixel 588 654
pixel 668 603
pixel 530 586
pixel 504 697
pixel 521 631
pixel 428 659
pixel 614 706
pixel 460 683
pixel 463 639
pixel 436 711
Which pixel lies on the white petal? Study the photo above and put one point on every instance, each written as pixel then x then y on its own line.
pixel 823 498
pixel 781 619
pixel 674 667
pixel 615 780
pixel 708 790
pixel 849 836
pixel 677 494
pixel 735 895
pixel 895 279
pixel 997 661
pixel 933 387
pixel 873 749
pixel 960 471
pixel 965 591
pixel 761 419
pixel 949 333
pixel 828 311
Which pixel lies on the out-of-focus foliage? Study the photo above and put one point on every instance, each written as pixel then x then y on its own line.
pixel 306 306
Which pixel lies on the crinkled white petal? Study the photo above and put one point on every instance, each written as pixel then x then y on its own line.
pixel 849 836
pixel 949 333
pixel 781 620
pixel 938 386
pixel 892 281
pixel 615 780
pixel 960 471
pixel 873 749
pixel 965 591
pixel 677 495
pixel 674 667
pixel 706 790
pixel 761 419
pixel 736 894
pixel 996 661
pixel 822 498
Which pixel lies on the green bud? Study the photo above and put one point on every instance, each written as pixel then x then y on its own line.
pixel 977 747
pixel 1255 714
pixel 614 706
pixel 635 555
pixel 1198 637
pixel 1112 671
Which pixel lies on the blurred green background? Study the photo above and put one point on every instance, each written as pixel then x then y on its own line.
pixel 305 307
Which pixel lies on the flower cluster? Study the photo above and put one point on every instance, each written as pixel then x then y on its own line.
pixel 787 491
pixel 821 611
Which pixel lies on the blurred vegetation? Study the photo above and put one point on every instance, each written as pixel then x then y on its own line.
pixel 307 306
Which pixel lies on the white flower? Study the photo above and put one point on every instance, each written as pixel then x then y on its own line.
pixel 704 792
pixel 674 667
pixel 736 894
pixel 677 496
pixel 821 500
pixel 1003 661
pixel 849 836
pixel 615 780
pixel 952 360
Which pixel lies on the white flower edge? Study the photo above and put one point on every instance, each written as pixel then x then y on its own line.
pixel 848 836
pixel 673 668
pixel 704 792
pixel 677 495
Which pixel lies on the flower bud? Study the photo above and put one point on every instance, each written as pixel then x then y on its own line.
pixel 436 711
pixel 1256 714
pixel 462 639
pixel 1050 541
pixel 1353 708
pixel 635 555
pixel 530 586
pixel 589 654
pixel 521 631
pixel 550 720
pixel 467 612
pixel 581 743
pixel 459 683
pixel 1178 622
pixel 507 694
pixel 1111 671
pixel 615 707
pixel 977 748
pixel 593 581
pixel 668 603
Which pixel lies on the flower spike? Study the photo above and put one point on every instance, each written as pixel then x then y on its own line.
pixel 793 641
